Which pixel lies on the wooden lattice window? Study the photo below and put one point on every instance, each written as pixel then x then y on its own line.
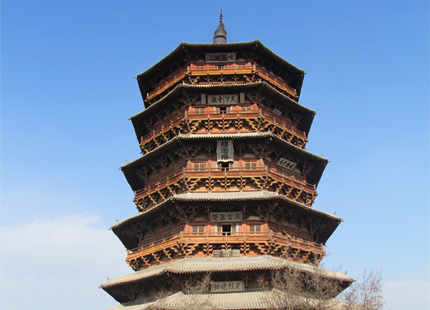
pixel 199 166
pixel 224 110
pixel 246 109
pixel 235 229
pixel 199 110
pixel 218 230
pixel 249 165
pixel 198 230
pixel 255 229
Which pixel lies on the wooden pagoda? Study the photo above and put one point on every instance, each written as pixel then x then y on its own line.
pixel 224 187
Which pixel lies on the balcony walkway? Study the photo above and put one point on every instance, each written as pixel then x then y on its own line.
pixel 213 70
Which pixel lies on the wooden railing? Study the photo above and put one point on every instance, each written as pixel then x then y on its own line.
pixel 175 173
pixel 172 80
pixel 212 237
pixel 168 122
pixel 163 177
pixel 255 111
pixel 209 69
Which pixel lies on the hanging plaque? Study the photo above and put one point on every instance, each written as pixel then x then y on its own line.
pixel 220 57
pixel 227 286
pixel 224 151
pixel 216 217
pixel 285 163
pixel 226 253
pixel 222 99
pixel 277 112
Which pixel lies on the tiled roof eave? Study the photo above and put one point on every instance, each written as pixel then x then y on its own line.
pixel 187 86
pixel 184 45
pixel 248 85
pixel 137 276
pixel 255 299
pixel 233 136
pixel 189 197
pixel 210 264
pixel 242 44
pixel 170 268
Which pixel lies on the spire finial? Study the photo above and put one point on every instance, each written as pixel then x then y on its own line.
pixel 220 35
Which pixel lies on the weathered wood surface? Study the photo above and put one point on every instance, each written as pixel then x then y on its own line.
pixel 201 72
pixel 188 244
pixel 233 121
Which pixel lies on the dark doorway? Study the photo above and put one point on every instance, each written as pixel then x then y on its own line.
pixel 226 230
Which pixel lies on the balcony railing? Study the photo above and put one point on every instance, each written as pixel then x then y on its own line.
pixel 216 238
pixel 232 69
pixel 233 113
pixel 175 173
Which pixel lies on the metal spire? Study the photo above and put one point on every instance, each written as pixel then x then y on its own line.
pixel 220 35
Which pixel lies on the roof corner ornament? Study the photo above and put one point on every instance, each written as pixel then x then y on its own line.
pixel 220 35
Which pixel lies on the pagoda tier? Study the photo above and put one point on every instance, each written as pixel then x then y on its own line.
pixel 201 119
pixel 225 186
pixel 215 64
pixel 174 277
pixel 261 93
pixel 265 206
pixel 251 224
pixel 188 163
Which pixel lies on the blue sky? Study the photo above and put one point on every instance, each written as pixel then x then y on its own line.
pixel 68 87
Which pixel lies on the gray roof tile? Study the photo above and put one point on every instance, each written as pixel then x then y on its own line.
pixel 211 264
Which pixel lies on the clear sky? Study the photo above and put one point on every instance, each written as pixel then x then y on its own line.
pixel 68 87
